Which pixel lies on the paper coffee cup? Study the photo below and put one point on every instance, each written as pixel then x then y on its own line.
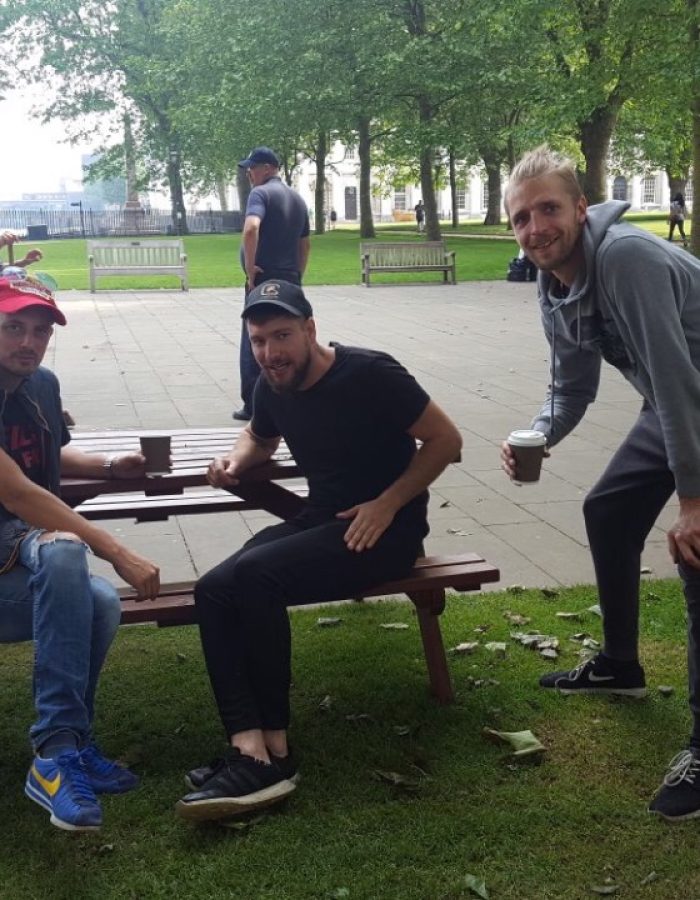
pixel 528 449
pixel 156 449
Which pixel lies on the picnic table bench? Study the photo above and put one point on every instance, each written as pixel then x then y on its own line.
pixel 129 257
pixel 414 256
pixel 277 487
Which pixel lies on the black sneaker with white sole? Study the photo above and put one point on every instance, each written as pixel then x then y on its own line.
pixel 240 785
pixel 196 778
pixel 599 675
pixel 678 798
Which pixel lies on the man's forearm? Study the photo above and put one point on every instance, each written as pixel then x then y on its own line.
pixel 431 459
pixel 250 248
pixel 304 250
pixel 250 451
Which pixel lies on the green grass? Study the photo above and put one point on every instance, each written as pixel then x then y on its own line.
pixel 531 832
pixel 213 261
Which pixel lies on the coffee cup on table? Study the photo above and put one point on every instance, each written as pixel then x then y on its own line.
pixel 156 449
pixel 528 448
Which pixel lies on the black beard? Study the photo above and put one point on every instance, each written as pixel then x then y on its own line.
pixel 296 382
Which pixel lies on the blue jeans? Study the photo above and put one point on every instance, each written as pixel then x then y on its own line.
pixel 50 597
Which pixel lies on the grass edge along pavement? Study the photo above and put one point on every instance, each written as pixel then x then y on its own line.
pixel 482 254
pixel 360 709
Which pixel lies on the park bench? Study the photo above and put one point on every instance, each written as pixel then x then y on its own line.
pixel 125 257
pixel 416 256
pixel 425 585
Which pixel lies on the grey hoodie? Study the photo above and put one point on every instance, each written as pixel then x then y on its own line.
pixel 637 305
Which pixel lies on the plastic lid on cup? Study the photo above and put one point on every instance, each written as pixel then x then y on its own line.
pixel 526 437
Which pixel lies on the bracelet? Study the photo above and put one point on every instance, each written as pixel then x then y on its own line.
pixel 108 465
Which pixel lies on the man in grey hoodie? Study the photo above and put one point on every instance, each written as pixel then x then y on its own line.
pixel 608 290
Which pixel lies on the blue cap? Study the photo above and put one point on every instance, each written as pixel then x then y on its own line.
pixel 260 156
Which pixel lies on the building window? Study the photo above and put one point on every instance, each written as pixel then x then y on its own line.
pixel 649 190
pixel 400 198
pixel 689 191
pixel 462 198
pixel 350 154
pixel 620 188
pixel 484 195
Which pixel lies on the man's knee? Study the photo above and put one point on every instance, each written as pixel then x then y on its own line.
pixel 62 553
pixel 226 582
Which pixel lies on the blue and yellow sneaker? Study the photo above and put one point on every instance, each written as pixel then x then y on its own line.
pixel 62 788
pixel 106 776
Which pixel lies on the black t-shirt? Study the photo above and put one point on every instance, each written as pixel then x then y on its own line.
pixel 348 432
pixel 24 440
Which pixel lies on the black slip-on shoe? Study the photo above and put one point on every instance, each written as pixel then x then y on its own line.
pixel 196 778
pixel 678 798
pixel 242 415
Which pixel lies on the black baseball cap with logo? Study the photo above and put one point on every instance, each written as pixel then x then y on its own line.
pixel 281 294
pixel 258 157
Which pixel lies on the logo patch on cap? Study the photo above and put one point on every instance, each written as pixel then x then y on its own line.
pixel 270 289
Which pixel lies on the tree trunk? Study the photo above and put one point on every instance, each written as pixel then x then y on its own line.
pixel 364 148
pixel 221 194
pixel 492 164
pixel 177 200
pixel 596 133
pixel 426 159
pixel 320 192
pixel 453 188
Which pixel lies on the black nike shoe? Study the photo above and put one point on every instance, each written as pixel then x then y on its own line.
pixel 678 798
pixel 240 785
pixel 599 676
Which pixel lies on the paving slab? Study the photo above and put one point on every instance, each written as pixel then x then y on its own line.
pixel 146 359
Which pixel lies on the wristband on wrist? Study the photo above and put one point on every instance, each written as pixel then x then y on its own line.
pixel 108 465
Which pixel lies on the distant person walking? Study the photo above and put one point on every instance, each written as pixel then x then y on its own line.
pixel 677 217
pixel 275 245
pixel 419 210
pixel 334 218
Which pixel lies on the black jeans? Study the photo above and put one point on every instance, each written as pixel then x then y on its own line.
pixel 681 230
pixel 248 367
pixel 241 607
pixel 620 511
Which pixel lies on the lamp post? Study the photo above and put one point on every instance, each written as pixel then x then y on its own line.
pixel 79 204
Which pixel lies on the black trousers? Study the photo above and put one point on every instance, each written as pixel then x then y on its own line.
pixel 241 607
pixel 620 511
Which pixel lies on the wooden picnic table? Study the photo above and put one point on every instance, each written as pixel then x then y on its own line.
pixel 184 490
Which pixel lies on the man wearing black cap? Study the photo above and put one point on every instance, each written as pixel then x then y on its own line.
pixel 351 418
pixel 47 593
pixel 275 244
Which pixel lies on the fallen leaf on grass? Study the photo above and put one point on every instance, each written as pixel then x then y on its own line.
pixel 477 886
pixel 549 593
pixel 497 648
pixel 596 610
pixel 591 643
pixel 481 629
pixel 240 824
pixel 572 616
pixel 515 589
pixel 549 653
pixel 403 730
pixel 481 682
pixel 524 743
pixel 605 890
pixel 181 657
pixel 579 636
pixel 179 729
pixel 326 703
pixel 359 717
pixel 464 648
pixel 339 893
pixel 645 570
pixel 652 597
pixel 652 876
pixel 394 626
pixel 516 618
pixel 105 848
pixel 396 779
pixel 327 621
pixel 665 690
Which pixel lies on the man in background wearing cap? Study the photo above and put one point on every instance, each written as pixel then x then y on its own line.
pixel 275 245
pixel 46 591
pixel 351 418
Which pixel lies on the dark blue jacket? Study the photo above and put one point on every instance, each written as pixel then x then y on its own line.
pixel 40 395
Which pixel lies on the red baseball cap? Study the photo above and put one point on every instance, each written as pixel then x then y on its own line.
pixel 21 293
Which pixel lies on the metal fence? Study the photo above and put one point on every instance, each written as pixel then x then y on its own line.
pixel 40 224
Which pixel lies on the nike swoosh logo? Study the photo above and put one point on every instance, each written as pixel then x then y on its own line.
pixel 592 677
pixel 49 786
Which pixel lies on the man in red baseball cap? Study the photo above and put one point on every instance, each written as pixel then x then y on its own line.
pixel 47 593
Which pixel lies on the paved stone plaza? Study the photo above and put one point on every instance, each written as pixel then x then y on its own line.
pixel 157 359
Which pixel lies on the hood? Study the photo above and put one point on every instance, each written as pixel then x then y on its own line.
pixel 599 218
